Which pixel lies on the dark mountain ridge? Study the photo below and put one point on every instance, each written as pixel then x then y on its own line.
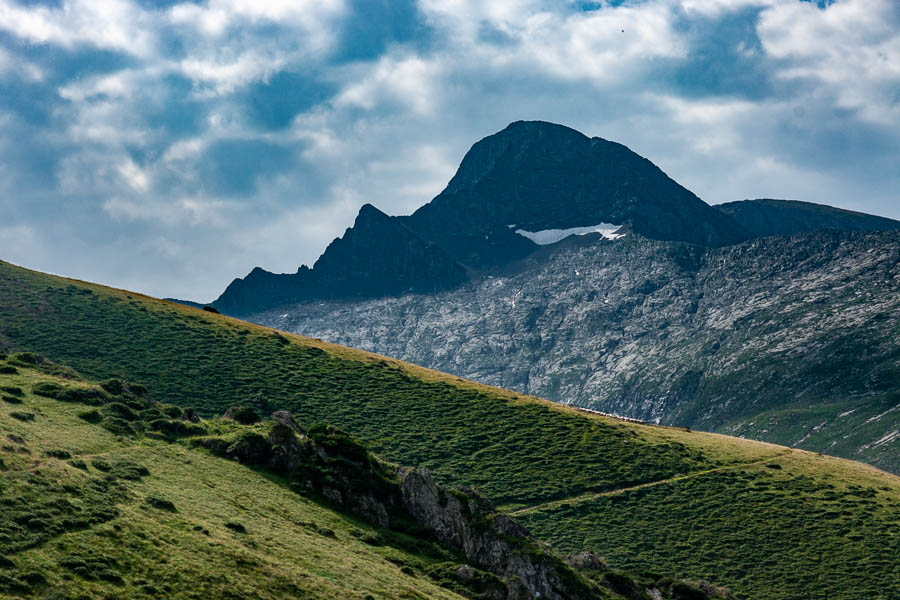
pixel 378 256
pixel 786 217
pixel 532 176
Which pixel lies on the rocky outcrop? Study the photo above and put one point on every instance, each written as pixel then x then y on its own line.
pixel 792 340
pixel 537 175
pixel 466 522
pixel 329 463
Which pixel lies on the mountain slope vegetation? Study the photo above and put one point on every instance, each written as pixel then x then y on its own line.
pixel 788 339
pixel 90 513
pixel 562 470
pixel 105 492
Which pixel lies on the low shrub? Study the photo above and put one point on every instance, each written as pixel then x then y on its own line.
pixel 89 396
pixel 685 591
pixel 237 527
pixel 117 426
pixel 11 585
pixel 113 386
pixel 101 465
pixel 244 415
pixel 171 411
pixel 91 416
pixel 620 583
pixel 48 389
pixel 12 390
pixel 127 469
pixel 161 503
pixel 60 454
pixel 12 399
pixel 34 578
pixel 28 358
pixel 22 416
pixel 117 409
pixel 175 428
pixel 8 370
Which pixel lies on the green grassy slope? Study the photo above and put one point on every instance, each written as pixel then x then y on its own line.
pixel 546 460
pixel 516 452
pixel 106 493
pixel 795 526
pixel 72 527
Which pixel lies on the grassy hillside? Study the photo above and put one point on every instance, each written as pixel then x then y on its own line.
pixel 84 514
pixel 720 513
pixel 107 493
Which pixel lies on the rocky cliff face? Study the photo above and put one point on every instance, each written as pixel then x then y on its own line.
pixel 333 465
pixel 794 340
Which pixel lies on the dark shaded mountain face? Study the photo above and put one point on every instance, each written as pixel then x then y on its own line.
pixel 532 176
pixel 537 176
pixel 788 339
pixel 785 217
pixel 378 256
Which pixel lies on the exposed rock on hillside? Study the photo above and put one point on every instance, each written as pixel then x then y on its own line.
pixel 338 468
pixel 788 339
pixel 537 176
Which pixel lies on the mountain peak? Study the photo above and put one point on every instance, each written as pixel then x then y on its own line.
pixel 534 175
pixel 368 212
pixel 539 176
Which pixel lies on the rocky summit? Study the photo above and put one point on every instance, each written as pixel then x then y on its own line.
pixel 530 177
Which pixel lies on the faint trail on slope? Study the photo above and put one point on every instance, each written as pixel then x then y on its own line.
pixel 595 495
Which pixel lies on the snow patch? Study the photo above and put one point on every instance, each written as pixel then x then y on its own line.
pixel 847 412
pixel 551 236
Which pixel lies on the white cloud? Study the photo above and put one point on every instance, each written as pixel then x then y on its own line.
pixel 852 49
pixel 21 244
pixel 113 24
pixel 601 47
pixel 16 66
pixel 133 142
pixel 405 80
pixel 216 16
pixel 136 177
pixel 183 211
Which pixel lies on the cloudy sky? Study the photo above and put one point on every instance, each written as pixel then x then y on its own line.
pixel 168 147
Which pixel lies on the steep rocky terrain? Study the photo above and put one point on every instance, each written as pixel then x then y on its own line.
pixel 378 256
pixel 532 176
pixel 536 176
pixel 788 339
pixel 786 217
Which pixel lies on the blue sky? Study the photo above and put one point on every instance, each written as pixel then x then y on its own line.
pixel 167 147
